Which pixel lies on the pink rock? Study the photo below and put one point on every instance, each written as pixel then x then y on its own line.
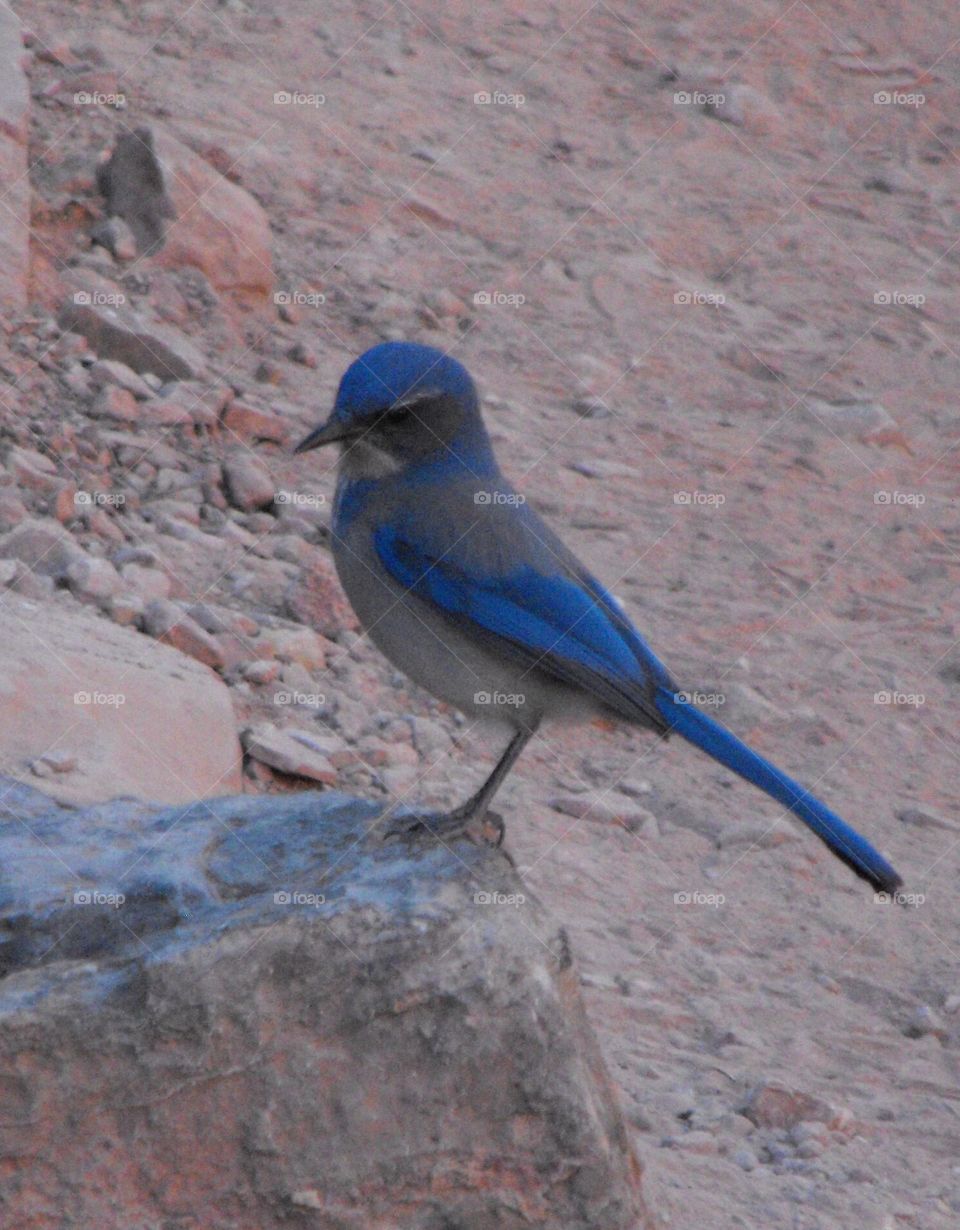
pixel 64 505
pixel 43 545
pixel 282 751
pixel 93 579
pixel 248 483
pixel 218 226
pixel 12 509
pixel 261 671
pixel 146 583
pixel 33 470
pixel 110 372
pixel 252 425
pixel 99 310
pixel 141 718
pixel 168 412
pixel 15 222
pixel 301 645
pixel 113 402
pixel 775 1105
pixel 125 609
pixel 316 599
pixel 168 623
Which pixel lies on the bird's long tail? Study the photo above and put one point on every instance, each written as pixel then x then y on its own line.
pixel 846 843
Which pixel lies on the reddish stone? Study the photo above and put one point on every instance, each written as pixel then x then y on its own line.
pixel 252 424
pixel 316 599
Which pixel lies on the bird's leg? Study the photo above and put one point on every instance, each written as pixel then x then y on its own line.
pixel 445 825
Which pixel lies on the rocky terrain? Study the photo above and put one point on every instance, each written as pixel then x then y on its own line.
pixel 702 261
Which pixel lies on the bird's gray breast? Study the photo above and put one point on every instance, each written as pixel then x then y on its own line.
pixel 442 654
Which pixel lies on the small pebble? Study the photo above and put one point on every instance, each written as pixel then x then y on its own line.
pixel 745 1158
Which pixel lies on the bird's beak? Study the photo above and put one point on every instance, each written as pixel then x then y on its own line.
pixel 327 433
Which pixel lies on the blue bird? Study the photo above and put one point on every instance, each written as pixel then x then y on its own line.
pixel 463 587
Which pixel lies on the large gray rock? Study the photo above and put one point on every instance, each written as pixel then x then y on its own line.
pixel 132 182
pixel 254 1013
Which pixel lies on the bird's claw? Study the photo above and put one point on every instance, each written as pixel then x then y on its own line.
pixel 446 826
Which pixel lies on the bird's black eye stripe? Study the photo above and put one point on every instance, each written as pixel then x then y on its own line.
pixel 402 410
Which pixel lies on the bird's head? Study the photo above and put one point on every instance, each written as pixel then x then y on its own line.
pixel 401 404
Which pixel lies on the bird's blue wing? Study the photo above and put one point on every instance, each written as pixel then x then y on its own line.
pixel 558 623
pixel 541 607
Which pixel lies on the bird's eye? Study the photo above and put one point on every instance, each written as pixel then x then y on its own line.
pixel 397 414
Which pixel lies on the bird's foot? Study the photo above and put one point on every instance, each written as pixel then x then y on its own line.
pixel 446 826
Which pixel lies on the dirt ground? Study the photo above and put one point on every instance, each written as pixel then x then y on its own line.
pixel 702 260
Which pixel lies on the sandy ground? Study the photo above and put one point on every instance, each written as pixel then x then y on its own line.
pixel 719 350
